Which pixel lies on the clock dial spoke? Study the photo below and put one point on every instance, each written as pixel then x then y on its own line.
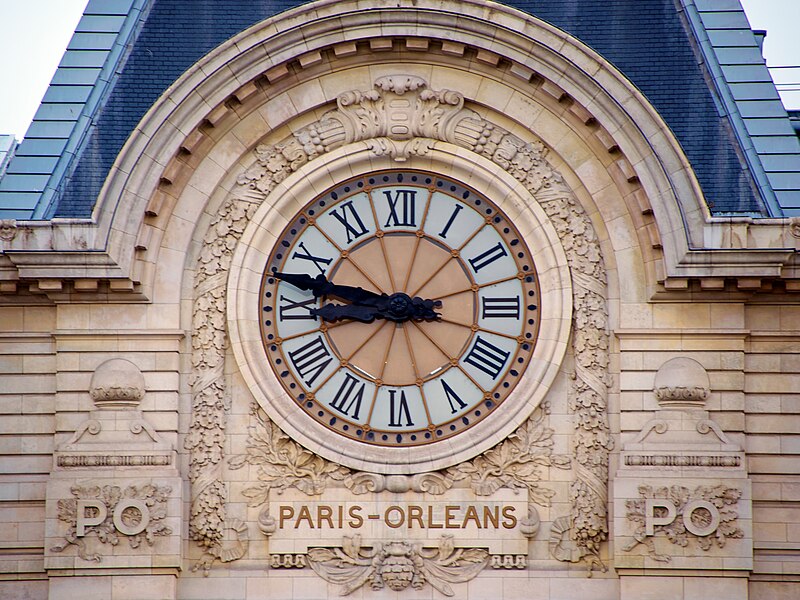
pixel 356 337
pixel 369 259
pixel 349 272
pixel 445 279
pixel 418 373
pixel 488 257
pixel 400 368
pixel 451 221
pixel 398 249
pixel 429 357
pixel 451 395
pixel 426 265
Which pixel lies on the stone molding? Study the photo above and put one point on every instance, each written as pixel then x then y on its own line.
pixel 526 163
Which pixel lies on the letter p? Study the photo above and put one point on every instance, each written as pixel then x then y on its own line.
pixel 650 518
pixel 84 521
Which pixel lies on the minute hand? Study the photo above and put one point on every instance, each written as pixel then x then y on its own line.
pixel 320 286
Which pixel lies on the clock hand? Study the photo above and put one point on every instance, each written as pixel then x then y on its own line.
pixel 320 286
pixel 366 305
pixel 398 307
pixel 334 312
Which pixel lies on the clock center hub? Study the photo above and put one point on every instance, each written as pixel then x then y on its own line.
pixel 381 349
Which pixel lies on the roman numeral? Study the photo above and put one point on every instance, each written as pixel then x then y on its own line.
pixel 443 232
pixel 317 260
pixel 310 360
pixel 303 309
pixel 354 229
pixel 402 407
pixel 349 395
pixel 488 257
pixel 406 217
pixel 451 395
pixel 487 357
pixel 500 308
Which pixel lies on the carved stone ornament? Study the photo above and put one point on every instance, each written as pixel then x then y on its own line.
pixel 146 518
pixel 397 565
pixel 515 463
pixel 8 229
pixel 706 516
pixel 400 117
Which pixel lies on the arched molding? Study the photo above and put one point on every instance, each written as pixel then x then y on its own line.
pixel 298 189
pixel 273 58
pixel 438 133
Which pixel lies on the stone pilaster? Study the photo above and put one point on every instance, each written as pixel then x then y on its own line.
pixel 113 508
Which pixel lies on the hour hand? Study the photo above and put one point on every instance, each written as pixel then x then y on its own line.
pixel 356 312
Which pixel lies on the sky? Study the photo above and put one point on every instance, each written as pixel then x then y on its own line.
pixel 34 34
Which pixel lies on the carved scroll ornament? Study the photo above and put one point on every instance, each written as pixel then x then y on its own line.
pixel 401 117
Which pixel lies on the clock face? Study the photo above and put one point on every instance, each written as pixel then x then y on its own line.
pixel 400 380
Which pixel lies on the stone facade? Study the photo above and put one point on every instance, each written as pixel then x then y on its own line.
pixel 649 450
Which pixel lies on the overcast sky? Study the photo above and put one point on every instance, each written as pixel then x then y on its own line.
pixel 35 33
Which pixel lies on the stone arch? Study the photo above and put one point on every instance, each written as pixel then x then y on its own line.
pixel 536 61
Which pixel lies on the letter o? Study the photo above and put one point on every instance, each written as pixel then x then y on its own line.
pixel 139 505
pixel 388 521
pixel 691 527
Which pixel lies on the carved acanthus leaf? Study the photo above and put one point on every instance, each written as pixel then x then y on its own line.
pixel 282 463
pixel 515 463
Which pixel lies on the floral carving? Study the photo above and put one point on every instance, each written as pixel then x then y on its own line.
pixel 282 463
pixel 723 498
pixel 397 565
pixel 399 129
pixel 154 498
pixel 515 463
pixel 209 400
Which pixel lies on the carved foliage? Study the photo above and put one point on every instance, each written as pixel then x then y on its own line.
pixel 515 463
pixel 153 496
pixel 397 565
pixel 209 402
pixel 283 463
pixel 722 497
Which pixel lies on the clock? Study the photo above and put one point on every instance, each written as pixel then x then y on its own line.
pixel 398 309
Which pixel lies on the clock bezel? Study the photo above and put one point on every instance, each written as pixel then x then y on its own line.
pixel 290 197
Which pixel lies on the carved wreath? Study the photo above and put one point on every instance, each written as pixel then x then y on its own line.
pixel 154 498
pixel 723 498
pixel 432 116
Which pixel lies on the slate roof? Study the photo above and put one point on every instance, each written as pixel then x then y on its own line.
pixel 698 64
